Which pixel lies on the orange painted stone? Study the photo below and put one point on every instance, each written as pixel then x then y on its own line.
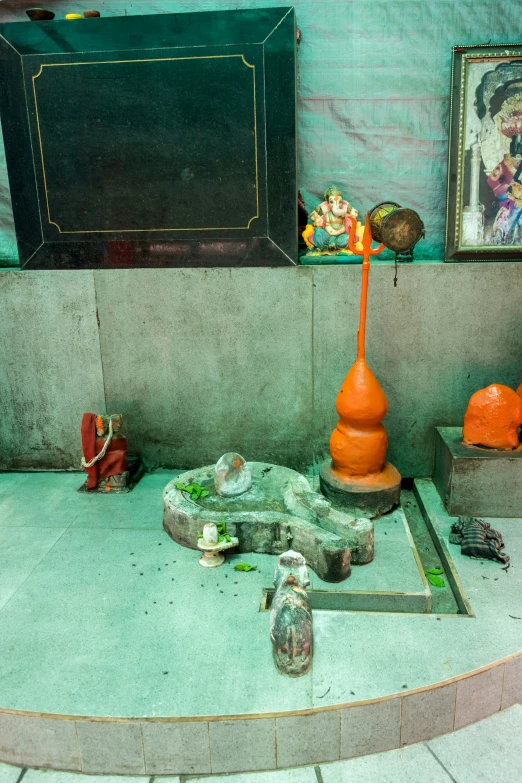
pixel 493 417
pixel 358 443
pixel 357 477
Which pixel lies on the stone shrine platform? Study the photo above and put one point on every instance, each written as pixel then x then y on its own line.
pixel 476 481
pixel 120 655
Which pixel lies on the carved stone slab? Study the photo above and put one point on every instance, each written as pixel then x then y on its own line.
pixel 280 511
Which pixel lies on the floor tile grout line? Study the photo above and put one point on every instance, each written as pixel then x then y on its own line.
pixel 455 706
pixel 142 741
pixel 209 747
pixel 80 749
pixel 502 686
pixel 64 530
pixel 448 773
pixel 21 775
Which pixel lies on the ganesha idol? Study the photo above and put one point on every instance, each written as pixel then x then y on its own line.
pixel 330 227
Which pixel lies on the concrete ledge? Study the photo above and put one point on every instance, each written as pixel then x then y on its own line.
pixel 241 743
pixel 474 481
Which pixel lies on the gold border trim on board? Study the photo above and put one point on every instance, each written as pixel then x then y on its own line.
pixel 148 59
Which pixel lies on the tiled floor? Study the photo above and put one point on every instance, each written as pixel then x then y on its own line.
pixel 94 595
pixel 485 752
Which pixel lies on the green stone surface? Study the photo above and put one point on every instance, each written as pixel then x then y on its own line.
pixel 82 623
pixel 394 568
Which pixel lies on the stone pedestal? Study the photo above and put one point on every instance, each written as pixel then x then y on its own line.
pixel 475 481
pixel 368 496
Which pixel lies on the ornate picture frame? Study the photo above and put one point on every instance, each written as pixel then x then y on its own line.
pixel 484 191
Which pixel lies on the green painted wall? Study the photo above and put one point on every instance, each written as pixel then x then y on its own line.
pixel 373 93
pixel 204 361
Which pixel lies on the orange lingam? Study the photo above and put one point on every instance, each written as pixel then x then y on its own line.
pixel 493 417
pixel 358 476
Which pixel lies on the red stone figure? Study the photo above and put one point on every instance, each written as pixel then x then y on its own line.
pixel 104 452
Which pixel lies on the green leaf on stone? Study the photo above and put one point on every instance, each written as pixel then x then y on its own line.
pixel 204 493
pixel 244 567
pixel 435 571
pixel 436 581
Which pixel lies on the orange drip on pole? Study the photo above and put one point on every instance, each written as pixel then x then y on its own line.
pixel 359 442
pixel 365 253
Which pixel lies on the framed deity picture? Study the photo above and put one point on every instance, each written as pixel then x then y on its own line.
pixel 484 198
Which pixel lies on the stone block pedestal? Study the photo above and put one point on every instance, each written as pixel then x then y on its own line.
pixel 475 481
pixel 366 496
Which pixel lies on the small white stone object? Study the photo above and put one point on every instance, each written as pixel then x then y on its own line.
pixel 212 557
pixel 210 534
pixel 232 475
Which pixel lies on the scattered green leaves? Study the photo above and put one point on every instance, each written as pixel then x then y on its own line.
pixel 245 567
pixel 195 491
pixel 434 578
pixel 222 532
pixel 223 536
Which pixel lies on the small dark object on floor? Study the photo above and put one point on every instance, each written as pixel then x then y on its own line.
pixel 39 14
pixel 91 14
pixel 478 540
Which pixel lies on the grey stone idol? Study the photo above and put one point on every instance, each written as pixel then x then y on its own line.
pixel 276 509
pixel 291 617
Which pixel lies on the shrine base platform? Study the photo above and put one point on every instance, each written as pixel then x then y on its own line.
pixel 120 655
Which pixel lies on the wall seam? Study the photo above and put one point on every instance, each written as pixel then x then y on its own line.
pixel 99 339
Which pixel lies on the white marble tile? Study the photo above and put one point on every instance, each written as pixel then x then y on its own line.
pixel 428 714
pixel 478 696
pixel 180 748
pixel 111 747
pixel 370 728
pixel 489 751
pixel 407 765
pixel 308 739
pixel 49 742
pixel 9 774
pixel 512 687
pixel 238 745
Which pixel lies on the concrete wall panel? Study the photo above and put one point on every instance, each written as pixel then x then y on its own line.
pixel 207 361
pixel 50 368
